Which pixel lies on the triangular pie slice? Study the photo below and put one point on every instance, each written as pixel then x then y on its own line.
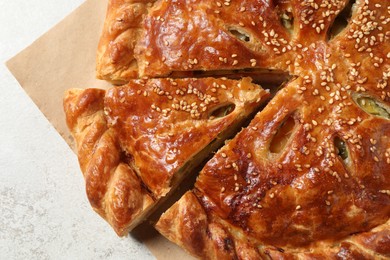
pixel 306 179
pixel 137 142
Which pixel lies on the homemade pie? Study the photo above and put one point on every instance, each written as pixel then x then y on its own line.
pixel 307 179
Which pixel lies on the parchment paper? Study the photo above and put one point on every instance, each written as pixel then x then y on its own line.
pixel 64 58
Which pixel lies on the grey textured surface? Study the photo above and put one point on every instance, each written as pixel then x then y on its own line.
pixel 44 213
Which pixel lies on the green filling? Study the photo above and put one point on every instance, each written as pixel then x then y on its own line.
pixel 341 147
pixel 372 107
pixel 242 36
pixel 222 111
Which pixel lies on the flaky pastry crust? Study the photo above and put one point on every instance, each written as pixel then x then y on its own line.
pixel 137 142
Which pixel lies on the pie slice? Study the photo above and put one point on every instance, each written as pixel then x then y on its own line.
pixel 306 179
pixel 137 142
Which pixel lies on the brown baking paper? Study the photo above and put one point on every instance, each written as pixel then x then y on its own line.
pixel 64 58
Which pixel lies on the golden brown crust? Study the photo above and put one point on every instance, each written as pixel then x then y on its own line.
pixel 206 237
pixel 190 36
pixel 87 104
pixel 322 191
pixel 112 187
pixel 133 140
pixel 115 56
pixel 189 236
pixel 187 224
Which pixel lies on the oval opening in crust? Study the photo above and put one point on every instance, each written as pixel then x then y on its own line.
pixel 287 20
pixel 342 20
pixel 372 106
pixel 285 13
pixel 341 148
pixel 240 35
pixel 222 111
pixel 282 136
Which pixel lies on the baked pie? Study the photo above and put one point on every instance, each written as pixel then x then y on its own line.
pixel 137 142
pixel 307 179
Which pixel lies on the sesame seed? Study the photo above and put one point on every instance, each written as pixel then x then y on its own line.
pixel 385 192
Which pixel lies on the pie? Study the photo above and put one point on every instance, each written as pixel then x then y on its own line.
pixel 308 178
pixel 137 142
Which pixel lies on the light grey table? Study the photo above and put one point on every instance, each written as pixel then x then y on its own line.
pixel 44 213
